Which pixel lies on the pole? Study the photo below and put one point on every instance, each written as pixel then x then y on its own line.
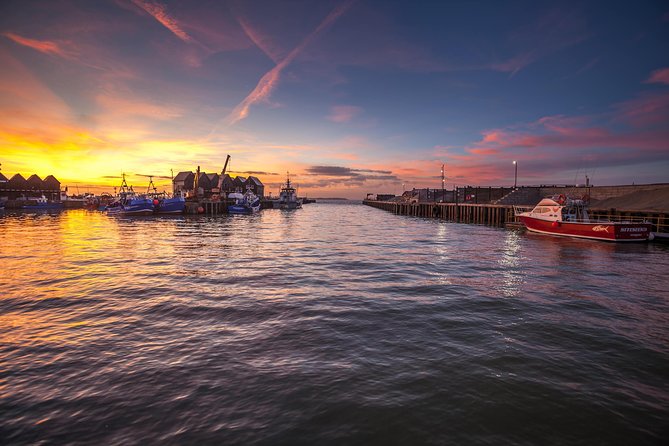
pixel 515 177
pixel 442 184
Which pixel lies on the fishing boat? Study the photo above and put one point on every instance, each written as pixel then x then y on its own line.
pixel 288 197
pixel 128 202
pixel 164 203
pixel 569 217
pixel 171 205
pixel 42 203
pixel 247 203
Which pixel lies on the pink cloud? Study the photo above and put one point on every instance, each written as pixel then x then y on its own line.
pixel 660 76
pixel 159 12
pixel 634 132
pixel 343 113
pixel 484 151
pixel 649 110
pixel 43 46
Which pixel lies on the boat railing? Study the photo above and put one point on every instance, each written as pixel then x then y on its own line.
pixel 520 209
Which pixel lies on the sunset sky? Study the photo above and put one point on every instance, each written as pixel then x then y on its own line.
pixel 351 97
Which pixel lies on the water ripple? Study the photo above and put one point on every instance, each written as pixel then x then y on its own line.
pixel 334 324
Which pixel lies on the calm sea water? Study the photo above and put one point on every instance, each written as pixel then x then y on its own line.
pixel 334 324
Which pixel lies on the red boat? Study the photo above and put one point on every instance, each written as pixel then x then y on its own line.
pixel 569 218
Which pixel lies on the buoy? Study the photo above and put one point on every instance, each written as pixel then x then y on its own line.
pixel 555 224
pixel 200 210
pixel 156 202
pixel 651 237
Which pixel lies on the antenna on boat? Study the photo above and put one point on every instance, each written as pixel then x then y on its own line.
pixel 124 184
pixel 151 186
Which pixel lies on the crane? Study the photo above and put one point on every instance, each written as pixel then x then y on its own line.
pixel 219 189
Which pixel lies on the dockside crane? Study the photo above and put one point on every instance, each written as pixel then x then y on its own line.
pixel 219 190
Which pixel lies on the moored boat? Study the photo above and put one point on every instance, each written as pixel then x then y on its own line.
pixel 131 204
pixel 164 203
pixel 288 197
pixel 568 217
pixel 171 205
pixel 128 202
pixel 247 203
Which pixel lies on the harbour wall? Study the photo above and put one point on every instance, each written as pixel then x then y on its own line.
pixel 600 192
pixel 503 215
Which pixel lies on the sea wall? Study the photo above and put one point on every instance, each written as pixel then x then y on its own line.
pixel 601 192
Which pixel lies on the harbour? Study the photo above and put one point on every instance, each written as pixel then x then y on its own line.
pixel 337 322
pixel 339 223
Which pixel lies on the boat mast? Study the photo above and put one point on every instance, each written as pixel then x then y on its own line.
pixel 151 186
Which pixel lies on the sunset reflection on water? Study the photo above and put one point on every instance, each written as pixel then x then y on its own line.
pixel 263 320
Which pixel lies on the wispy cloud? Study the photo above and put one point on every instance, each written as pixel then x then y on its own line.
pixel 260 40
pixel 43 46
pixel 554 31
pixel 328 176
pixel 268 82
pixel 253 172
pixel 343 113
pixel 553 145
pixel 159 12
pixel 660 76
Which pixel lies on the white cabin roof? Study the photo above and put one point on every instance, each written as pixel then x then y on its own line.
pixel 548 202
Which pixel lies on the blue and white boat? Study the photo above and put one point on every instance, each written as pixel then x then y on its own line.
pixel 171 205
pixel 165 204
pixel 128 202
pixel 247 203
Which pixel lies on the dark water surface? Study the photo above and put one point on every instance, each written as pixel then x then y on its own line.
pixel 334 324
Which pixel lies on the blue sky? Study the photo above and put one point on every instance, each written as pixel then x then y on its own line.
pixel 349 96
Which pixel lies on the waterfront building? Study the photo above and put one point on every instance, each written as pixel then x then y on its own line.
pixel 183 182
pixel 34 187
pixel 256 186
pixel 227 184
pixel 240 184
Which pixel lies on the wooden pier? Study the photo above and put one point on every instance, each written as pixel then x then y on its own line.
pixel 503 215
pixel 484 214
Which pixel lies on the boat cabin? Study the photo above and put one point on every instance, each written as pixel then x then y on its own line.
pixel 547 209
pixel 564 209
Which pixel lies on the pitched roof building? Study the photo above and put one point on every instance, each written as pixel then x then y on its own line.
pixel 35 182
pixel 183 182
pixel 256 186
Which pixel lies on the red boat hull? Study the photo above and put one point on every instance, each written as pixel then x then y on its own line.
pixel 608 231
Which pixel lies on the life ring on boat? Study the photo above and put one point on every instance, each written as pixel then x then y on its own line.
pixel 435 211
pixel 562 199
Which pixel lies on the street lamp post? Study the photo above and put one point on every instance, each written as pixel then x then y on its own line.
pixel 515 176
pixel 443 185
